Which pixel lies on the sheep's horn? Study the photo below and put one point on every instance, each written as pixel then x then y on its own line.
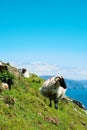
pixel 57 78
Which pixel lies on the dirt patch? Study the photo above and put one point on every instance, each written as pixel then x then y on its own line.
pixel 53 120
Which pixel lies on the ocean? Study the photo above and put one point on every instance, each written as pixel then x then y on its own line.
pixel 80 95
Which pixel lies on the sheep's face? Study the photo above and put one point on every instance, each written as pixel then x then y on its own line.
pixel 62 83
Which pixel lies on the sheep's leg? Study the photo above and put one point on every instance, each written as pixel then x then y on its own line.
pixel 50 103
pixel 56 103
pixel 9 86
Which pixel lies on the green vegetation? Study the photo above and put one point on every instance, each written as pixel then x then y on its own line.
pixel 23 108
pixel 5 75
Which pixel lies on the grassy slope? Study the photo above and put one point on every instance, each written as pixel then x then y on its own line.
pixel 29 110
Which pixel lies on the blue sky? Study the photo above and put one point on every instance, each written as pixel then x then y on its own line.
pixel 45 36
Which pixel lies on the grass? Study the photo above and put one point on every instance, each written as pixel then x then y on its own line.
pixel 23 108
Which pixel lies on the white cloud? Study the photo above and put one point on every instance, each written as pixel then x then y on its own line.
pixel 74 72
pixel 12 64
pixel 41 68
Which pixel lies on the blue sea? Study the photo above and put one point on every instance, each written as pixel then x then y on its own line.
pixel 80 95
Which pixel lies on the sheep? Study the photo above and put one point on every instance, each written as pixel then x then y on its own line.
pixel 9 82
pixel 54 89
pixel 24 72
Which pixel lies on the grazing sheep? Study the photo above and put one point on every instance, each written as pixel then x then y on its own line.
pixel 24 72
pixel 54 89
pixel 9 82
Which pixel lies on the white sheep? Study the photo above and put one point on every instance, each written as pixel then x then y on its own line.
pixel 54 89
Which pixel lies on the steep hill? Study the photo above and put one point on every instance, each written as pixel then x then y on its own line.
pixel 23 108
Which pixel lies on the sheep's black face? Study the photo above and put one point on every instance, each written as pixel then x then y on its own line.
pixel 62 82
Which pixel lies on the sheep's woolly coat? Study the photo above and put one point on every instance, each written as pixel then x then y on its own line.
pixel 54 88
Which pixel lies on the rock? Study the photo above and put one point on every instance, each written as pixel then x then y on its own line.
pixel 79 104
pixel 9 100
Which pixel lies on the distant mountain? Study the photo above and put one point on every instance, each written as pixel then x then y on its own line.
pixel 76 84
pixel 71 84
